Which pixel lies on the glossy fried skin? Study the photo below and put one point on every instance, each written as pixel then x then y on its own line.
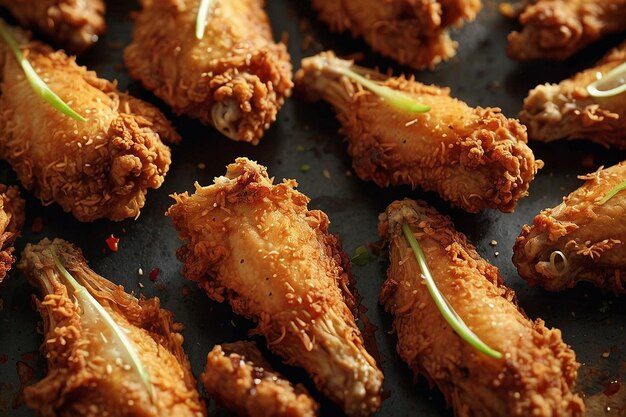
pixel 82 379
pixel 578 240
pixel 414 33
pixel 238 377
pixel 567 111
pixel 256 245
pixel 473 157
pixel 537 371
pixel 12 218
pixel 74 25
pixel 558 29
pixel 96 169
pixel 236 78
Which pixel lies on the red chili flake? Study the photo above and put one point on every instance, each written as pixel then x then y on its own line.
pixel 154 274
pixel 37 225
pixel 112 243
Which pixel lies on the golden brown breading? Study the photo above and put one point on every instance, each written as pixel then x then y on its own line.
pixel 580 239
pixel 236 78
pixel 96 169
pixel 537 371
pixel 74 25
pixel 473 157
pixel 557 29
pixel 256 245
pixel 414 33
pixel 240 379
pixel 87 375
pixel 567 111
pixel 12 218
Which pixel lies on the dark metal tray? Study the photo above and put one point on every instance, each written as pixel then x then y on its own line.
pixel 481 74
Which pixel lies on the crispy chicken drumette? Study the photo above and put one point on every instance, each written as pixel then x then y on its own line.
pixel 96 169
pixel 11 221
pixel 473 157
pixel 567 110
pixel 256 245
pixel 557 29
pixel 240 379
pixel 235 78
pixel 581 239
pixel 73 25
pixel 537 370
pixel 89 346
pixel 414 33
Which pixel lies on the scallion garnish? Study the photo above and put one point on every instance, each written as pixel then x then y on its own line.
pixel 36 83
pixel 95 313
pixel 397 99
pixel 203 17
pixel 361 256
pixel 619 187
pixel 618 75
pixel 446 310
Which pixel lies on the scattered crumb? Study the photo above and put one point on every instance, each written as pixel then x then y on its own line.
pixel 185 290
pixel 232 323
pixel 201 165
pixel 497 253
pixel 140 271
pixel 154 274
pixel 348 173
pixel 37 226
pixel 493 242
pixel 606 354
pixel 141 285
pixel 326 173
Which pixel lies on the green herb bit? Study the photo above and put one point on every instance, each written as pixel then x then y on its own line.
pixel 36 83
pixel 619 187
pixel 397 99
pixel 203 17
pixel 305 168
pixel 616 75
pixel 93 311
pixel 361 256
pixel 446 310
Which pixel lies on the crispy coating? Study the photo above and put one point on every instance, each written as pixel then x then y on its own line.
pixel 256 245
pixel 558 29
pixel 578 240
pixel 12 218
pixel 414 33
pixel 537 371
pixel 83 380
pixel 236 78
pixel 96 169
pixel 240 379
pixel 567 111
pixel 74 25
pixel 473 157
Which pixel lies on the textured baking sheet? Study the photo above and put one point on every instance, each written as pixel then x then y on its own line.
pixel 305 134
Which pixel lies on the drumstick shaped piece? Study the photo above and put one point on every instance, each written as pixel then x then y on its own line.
pixel 537 371
pixel 256 245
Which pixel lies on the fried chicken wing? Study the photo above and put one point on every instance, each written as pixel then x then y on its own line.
pixel 414 33
pixel 537 372
pixel 256 245
pixel 236 78
pixel 11 222
pixel 567 110
pixel 74 25
pixel 558 29
pixel 581 239
pixel 90 374
pixel 238 376
pixel 473 157
pixel 96 169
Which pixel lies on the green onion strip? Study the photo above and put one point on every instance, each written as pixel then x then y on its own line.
pixel 203 17
pixel 120 340
pixel 36 83
pixel 442 303
pixel 396 99
pixel 616 74
pixel 619 187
